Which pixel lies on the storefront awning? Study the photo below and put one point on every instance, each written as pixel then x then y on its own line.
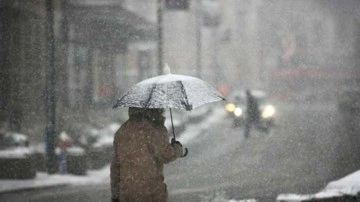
pixel 109 27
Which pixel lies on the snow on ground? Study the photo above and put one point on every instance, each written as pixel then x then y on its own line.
pixel 348 185
pixel 46 180
pixel 17 152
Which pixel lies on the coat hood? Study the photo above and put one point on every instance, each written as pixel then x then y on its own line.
pixel 150 114
pixel 133 111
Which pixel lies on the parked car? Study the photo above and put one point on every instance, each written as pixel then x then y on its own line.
pixel 16 160
pixel 236 108
pixel 77 162
pixel 99 145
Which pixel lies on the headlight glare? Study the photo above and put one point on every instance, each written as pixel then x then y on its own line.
pixel 238 111
pixel 269 111
pixel 230 107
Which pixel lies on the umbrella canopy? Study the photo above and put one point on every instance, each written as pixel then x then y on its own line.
pixel 170 91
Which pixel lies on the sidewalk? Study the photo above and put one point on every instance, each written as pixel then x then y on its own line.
pixel 100 176
pixel 45 180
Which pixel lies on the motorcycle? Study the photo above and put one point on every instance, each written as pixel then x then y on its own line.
pixel 237 112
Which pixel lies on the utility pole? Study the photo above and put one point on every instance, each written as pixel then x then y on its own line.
pixel 50 89
pixel 198 16
pixel 160 36
pixel 253 45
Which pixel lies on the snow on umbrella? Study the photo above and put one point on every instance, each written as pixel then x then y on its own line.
pixel 170 91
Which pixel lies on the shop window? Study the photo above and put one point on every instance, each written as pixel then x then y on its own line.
pixel 104 79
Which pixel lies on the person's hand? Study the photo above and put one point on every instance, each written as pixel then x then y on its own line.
pixel 173 141
pixel 177 147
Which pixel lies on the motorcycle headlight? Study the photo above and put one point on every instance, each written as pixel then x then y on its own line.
pixel 230 107
pixel 268 111
pixel 238 111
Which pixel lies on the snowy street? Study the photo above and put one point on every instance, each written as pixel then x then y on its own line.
pixel 261 100
pixel 301 155
pixel 306 149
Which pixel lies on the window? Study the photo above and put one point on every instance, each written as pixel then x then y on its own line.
pixel 143 64
pixel 78 73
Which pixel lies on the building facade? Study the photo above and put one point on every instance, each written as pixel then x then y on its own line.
pixel 103 47
pixel 100 49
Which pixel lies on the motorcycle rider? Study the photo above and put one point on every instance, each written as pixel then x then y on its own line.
pixel 252 113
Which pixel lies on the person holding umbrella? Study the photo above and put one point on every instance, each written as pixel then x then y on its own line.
pixel 141 145
pixel 141 148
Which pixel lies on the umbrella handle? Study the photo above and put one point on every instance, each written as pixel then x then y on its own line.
pixel 185 154
pixel 174 137
pixel 172 125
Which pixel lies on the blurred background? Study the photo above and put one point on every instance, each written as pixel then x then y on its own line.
pixel 297 50
pixel 66 62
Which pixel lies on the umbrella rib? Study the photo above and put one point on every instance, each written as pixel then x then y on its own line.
pixel 119 101
pixel 151 94
pixel 188 106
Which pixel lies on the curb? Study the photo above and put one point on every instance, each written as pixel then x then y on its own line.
pixel 311 198
pixel 24 189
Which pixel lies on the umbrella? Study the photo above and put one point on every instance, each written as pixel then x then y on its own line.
pixel 172 91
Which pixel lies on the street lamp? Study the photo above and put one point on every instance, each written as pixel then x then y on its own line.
pixel 198 16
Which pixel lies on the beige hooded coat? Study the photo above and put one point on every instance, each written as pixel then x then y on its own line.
pixel 141 148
